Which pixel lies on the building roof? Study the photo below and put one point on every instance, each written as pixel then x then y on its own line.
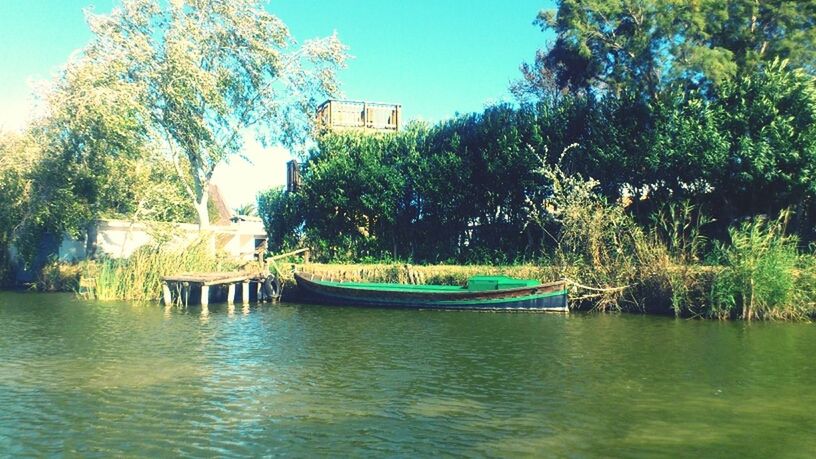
pixel 224 214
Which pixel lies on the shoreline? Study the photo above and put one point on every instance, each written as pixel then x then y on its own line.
pixel 681 291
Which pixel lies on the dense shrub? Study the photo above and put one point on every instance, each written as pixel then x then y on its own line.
pixel 459 191
pixel 759 279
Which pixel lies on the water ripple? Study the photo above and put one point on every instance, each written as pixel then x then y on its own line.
pixel 111 379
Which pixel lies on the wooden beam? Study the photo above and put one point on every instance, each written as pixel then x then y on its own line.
pixel 242 278
pixel 210 278
pixel 289 254
pixel 185 293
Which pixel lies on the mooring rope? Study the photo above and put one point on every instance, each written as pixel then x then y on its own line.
pixel 597 289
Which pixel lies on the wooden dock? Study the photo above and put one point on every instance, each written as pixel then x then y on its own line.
pixel 267 284
pixel 203 281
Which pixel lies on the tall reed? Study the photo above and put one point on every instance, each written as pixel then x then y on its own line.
pixel 139 276
pixel 761 277
pixel 597 244
pixel 678 228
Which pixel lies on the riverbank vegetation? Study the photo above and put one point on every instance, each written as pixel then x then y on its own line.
pixel 654 154
pixel 135 123
pixel 660 155
pixel 138 277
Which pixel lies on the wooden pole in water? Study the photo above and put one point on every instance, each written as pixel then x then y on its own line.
pixel 245 292
pixel 185 293
pixel 205 295
pixel 231 293
pixel 168 297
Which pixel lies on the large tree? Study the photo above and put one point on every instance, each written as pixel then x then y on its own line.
pixel 210 72
pixel 18 157
pixel 748 150
pixel 641 46
pixel 95 157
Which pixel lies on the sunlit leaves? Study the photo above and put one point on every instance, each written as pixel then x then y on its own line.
pixel 644 46
pixel 212 71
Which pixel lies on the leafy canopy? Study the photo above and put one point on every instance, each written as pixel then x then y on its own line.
pixel 210 71
pixel 642 46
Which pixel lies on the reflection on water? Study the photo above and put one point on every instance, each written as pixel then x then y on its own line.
pixel 101 379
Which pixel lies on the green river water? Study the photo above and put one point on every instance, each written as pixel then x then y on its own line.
pixel 111 379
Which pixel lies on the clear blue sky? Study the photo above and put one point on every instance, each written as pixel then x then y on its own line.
pixel 435 57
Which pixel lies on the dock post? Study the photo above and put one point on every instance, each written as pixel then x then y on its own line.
pixel 185 293
pixel 168 297
pixel 245 292
pixel 205 295
pixel 231 293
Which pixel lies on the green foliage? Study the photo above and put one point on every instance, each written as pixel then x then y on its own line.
pixel 643 46
pixel 282 218
pixel 610 139
pixel 138 277
pixel 206 72
pixel 460 190
pixel 249 209
pixel 597 243
pixel 453 192
pixel 679 225
pixel 137 121
pixel 94 159
pixel 760 272
pixel 770 118
pixel 739 36
pixel 613 45
pixel 18 156
pixel 353 187
pixel 679 228
pixel 747 151
pixel 89 138
pixel 477 173
pixel 745 148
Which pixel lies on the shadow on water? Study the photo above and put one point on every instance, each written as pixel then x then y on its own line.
pixel 110 378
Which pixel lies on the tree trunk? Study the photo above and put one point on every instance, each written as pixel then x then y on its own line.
pixel 204 217
pixel 90 240
pixel 203 210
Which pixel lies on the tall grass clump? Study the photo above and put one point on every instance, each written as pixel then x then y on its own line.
pixel 760 276
pixel 598 246
pixel 138 277
pixel 678 228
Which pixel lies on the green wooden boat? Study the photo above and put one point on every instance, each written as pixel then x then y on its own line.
pixel 480 293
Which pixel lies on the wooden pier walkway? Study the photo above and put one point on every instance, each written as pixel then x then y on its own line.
pixel 267 284
pixel 204 281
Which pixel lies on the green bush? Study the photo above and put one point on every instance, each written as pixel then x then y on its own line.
pixel 759 279
pixel 281 213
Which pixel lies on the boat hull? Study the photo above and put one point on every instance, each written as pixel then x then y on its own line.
pixel 543 297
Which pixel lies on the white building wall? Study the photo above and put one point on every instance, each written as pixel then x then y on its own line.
pixel 119 239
